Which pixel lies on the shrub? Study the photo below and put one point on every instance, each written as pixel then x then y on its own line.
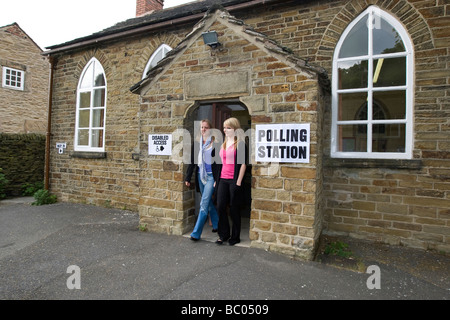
pixel 43 197
pixel 338 248
pixel 29 189
pixel 3 183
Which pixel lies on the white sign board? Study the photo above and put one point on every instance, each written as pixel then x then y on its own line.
pixel 160 144
pixel 61 146
pixel 282 143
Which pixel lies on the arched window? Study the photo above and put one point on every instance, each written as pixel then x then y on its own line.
pixel 91 108
pixel 373 67
pixel 157 56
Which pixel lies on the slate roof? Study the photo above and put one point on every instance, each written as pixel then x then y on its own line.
pixel 186 10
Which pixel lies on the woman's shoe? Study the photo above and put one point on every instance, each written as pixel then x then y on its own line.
pixel 220 241
pixel 194 239
pixel 233 242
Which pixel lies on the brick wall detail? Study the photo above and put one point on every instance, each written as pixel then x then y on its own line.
pixel 148 6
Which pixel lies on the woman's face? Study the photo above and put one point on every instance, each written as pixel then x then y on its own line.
pixel 205 129
pixel 229 131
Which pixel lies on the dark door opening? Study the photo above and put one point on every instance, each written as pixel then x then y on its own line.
pixel 217 113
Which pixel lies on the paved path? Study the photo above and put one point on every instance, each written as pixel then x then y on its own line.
pixel 117 261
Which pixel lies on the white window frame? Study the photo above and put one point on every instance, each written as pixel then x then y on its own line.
pixel 90 89
pixel 374 14
pixel 9 86
pixel 165 49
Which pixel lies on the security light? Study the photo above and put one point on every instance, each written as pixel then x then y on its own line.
pixel 210 38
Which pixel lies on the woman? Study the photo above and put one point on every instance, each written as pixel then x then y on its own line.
pixel 234 156
pixel 206 172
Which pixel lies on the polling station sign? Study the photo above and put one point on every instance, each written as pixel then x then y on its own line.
pixel 282 143
pixel 160 144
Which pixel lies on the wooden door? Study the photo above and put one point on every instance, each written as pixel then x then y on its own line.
pixel 220 113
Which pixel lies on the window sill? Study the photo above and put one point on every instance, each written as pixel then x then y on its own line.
pixel 87 155
pixel 13 88
pixel 373 163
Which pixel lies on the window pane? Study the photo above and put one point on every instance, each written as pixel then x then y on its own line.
pixel 352 106
pixel 389 105
pixel 97 139
pixel 388 138
pixel 87 78
pixel 357 41
pixel 85 100
pixel 99 77
pixel 13 78
pixel 353 74
pixel 91 106
pixel 83 137
pixel 156 58
pixel 83 121
pixel 389 72
pixel 352 138
pixel 99 98
pixel 98 118
pixel 385 38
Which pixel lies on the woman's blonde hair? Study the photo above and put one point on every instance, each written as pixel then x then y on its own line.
pixel 236 125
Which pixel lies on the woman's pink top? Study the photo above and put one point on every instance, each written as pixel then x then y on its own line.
pixel 227 162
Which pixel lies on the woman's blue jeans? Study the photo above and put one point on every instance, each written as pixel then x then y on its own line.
pixel 206 205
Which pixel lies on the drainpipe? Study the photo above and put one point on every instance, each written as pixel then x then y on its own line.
pixel 49 126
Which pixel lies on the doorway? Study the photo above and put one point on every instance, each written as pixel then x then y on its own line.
pixel 217 112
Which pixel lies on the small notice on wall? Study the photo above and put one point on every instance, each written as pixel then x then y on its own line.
pixel 160 144
pixel 283 143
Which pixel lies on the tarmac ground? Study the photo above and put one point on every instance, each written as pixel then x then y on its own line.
pixel 71 251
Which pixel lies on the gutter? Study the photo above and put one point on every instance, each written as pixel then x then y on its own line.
pixel 53 62
pixel 152 27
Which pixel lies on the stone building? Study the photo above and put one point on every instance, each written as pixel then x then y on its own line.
pixel 344 105
pixel 25 82
pixel 24 90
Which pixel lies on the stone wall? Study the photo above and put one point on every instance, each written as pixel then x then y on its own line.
pixel 112 178
pixel 23 111
pixel 400 202
pixel 394 203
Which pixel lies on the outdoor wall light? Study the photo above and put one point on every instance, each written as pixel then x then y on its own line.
pixel 210 38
